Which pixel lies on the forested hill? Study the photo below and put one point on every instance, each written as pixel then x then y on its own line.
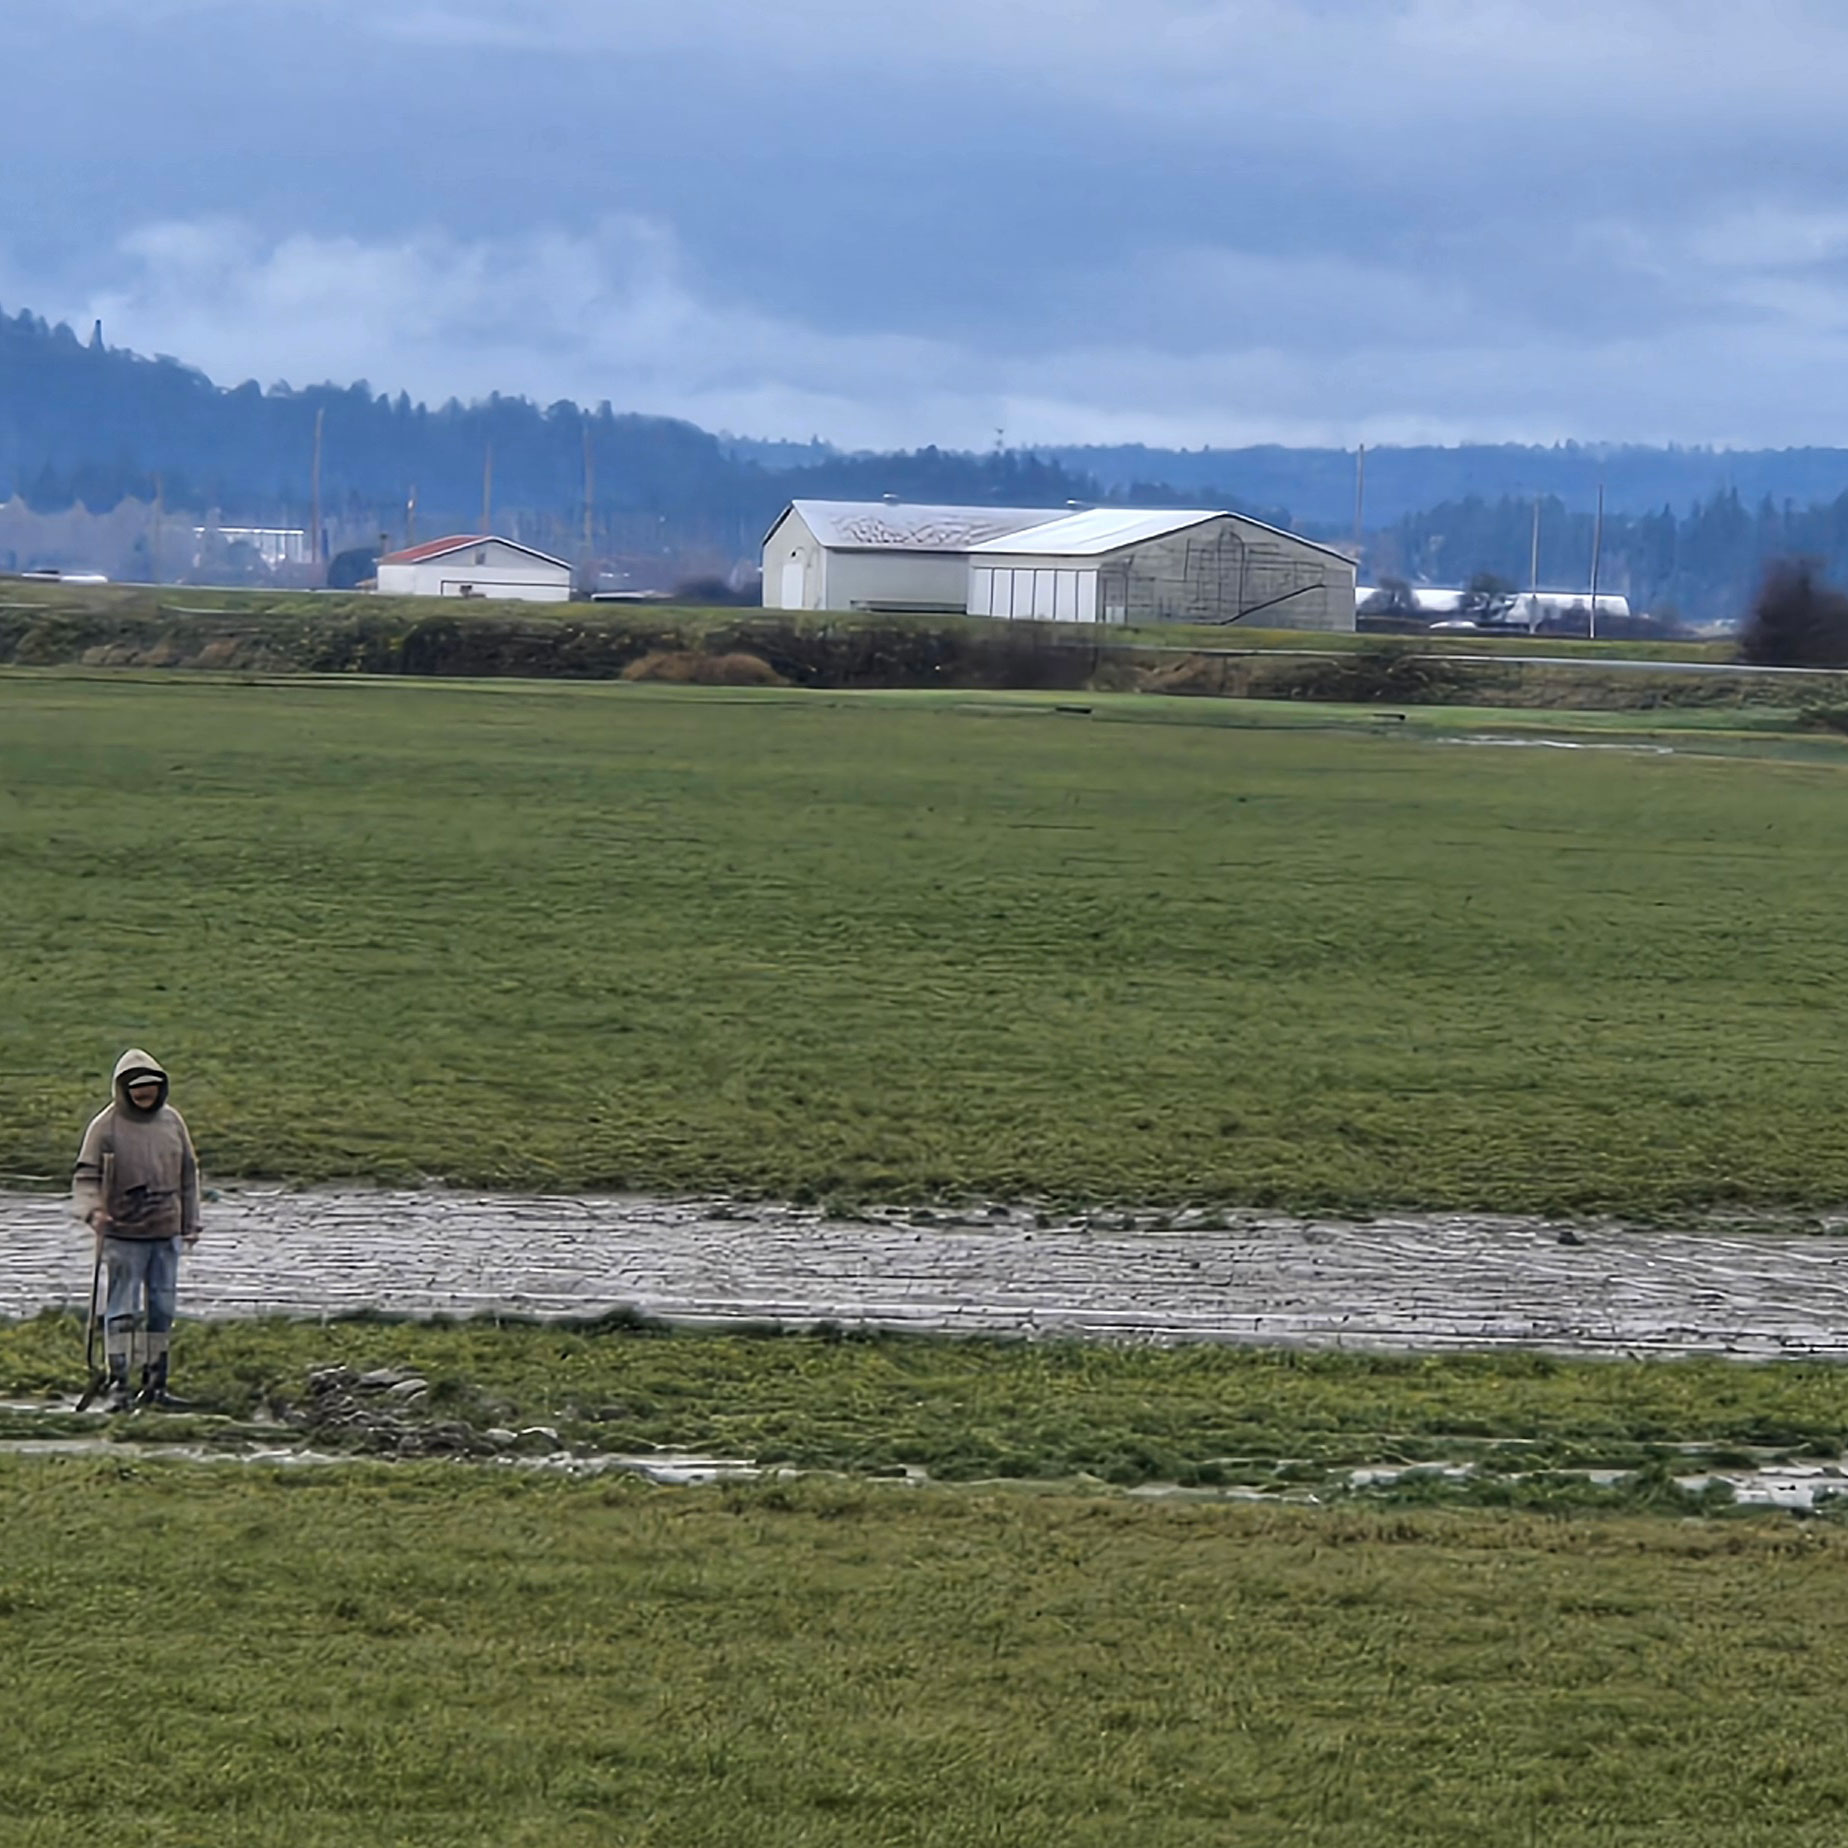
pixel 1318 484
pixel 83 422
pixel 80 421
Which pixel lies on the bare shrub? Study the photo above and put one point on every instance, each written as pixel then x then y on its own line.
pixel 688 667
pixel 1797 620
pixel 1207 676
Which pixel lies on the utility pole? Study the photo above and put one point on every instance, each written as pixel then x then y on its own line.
pixel 1597 553
pixel 487 487
pixel 159 508
pixel 1360 503
pixel 410 518
pixel 314 487
pixel 1533 574
pixel 590 496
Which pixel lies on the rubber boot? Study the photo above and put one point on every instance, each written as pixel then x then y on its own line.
pixel 154 1391
pixel 118 1397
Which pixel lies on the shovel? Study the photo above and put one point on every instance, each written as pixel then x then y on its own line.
pixel 99 1376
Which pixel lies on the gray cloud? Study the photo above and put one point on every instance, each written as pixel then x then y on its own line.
pixel 1214 220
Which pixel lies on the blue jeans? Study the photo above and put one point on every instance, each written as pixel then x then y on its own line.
pixel 138 1267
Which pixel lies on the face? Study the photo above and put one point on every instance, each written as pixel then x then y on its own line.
pixel 144 1093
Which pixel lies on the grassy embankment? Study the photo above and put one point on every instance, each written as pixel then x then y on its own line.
pixel 1524 1427
pixel 427 1657
pixel 115 627
pixel 892 945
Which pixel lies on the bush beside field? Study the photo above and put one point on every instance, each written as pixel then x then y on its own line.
pixel 120 627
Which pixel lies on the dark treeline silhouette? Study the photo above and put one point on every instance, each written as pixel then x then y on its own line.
pixel 1318 484
pixel 83 422
pixel 1704 565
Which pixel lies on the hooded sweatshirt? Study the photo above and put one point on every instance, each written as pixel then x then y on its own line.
pixel 153 1189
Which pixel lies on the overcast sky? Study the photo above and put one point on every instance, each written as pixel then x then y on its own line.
pixel 1179 222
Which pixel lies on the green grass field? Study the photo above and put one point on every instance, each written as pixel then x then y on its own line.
pixel 965 1410
pixel 900 945
pixel 1133 949
pixel 422 1657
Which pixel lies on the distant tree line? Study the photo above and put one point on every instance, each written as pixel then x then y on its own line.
pixel 1319 484
pixel 84 422
pixel 81 422
pixel 1704 565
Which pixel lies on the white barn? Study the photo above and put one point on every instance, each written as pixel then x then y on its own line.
pixel 475 565
pixel 1524 610
pixel 881 555
pixel 1126 565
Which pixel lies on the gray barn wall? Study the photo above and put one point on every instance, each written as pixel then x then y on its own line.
pixel 934 580
pixel 791 535
pixel 838 580
pixel 1226 571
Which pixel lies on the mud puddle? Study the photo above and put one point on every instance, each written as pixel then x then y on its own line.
pixel 1563 744
pixel 1801 1488
pixel 669 1468
pixel 1398 1283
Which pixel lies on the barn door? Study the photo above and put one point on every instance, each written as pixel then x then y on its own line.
pixel 795 583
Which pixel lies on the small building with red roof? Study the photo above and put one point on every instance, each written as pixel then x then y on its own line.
pixel 475 565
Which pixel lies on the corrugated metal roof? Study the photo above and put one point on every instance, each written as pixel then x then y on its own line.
pixel 460 542
pixel 1101 529
pixel 913 526
pixel 433 548
pixel 1108 529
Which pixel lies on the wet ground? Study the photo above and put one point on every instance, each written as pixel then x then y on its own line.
pixel 1799 1487
pixel 1442 1283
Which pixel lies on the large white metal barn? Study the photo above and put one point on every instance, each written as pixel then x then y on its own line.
pixel 881 555
pixel 1124 565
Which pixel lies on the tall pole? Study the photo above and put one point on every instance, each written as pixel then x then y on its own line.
pixel 1533 573
pixel 314 478
pixel 1360 502
pixel 410 518
pixel 590 494
pixel 1597 553
pixel 160 497
pixel 487 487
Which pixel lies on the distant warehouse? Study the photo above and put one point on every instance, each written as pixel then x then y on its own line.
pixel 1124 565
pixel 881 555
pixel 475 565
pixel 1049 564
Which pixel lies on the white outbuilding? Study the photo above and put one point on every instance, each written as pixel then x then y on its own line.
pixel 475 565
pixel 1128 565
pixel 881 555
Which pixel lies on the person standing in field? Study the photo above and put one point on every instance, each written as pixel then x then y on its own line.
pixel 136 1186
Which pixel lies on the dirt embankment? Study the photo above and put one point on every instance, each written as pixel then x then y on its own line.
pixel 334 634
pixel 128 627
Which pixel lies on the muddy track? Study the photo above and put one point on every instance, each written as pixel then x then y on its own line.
pixel 1445 1283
